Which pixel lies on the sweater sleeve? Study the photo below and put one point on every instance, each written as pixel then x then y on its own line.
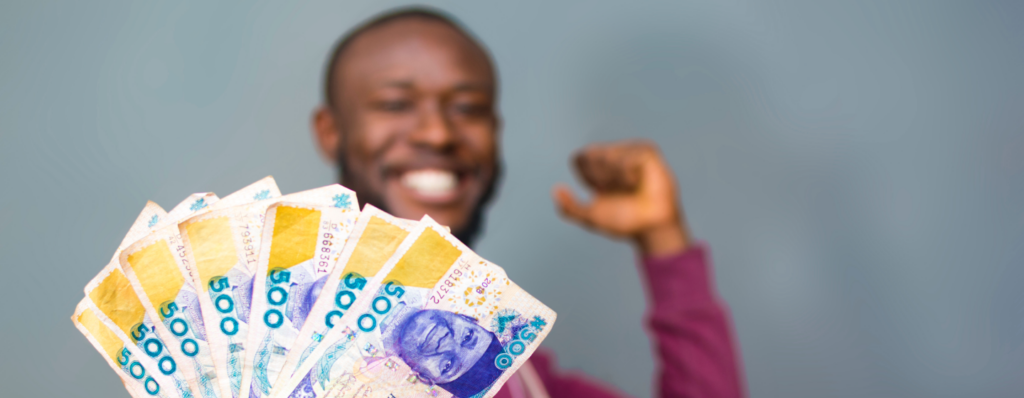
pixel 559 383
pixel 691 328
pixel 692 337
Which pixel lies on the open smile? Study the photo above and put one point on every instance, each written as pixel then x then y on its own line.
pixel 433 185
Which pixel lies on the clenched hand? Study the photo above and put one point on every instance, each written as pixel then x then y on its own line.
pixel 633 197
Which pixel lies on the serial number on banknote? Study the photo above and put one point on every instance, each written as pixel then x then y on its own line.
pixel 449 282
pixel 325 252
pixel 248 244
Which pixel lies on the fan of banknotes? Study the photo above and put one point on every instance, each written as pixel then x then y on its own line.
pixel 261 295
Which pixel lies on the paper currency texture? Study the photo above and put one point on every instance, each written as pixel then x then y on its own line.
pixel 115 303
pixel 224 245
pixel 259 295
pixel 374 239
pixel 301 245
pixel 162 277
pixel 442 321
pixel 116 299
pixel 136 371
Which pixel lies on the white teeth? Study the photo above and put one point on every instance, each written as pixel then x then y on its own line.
pixel 431 182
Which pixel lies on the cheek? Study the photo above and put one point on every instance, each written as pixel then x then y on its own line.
pixel 373 134
pixel 483 341
pixel 482 143
pixel 483 338
pixel 429 367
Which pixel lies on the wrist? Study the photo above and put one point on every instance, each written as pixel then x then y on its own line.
pixel 663 240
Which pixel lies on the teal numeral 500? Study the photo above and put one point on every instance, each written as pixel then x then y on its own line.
pixel 381 305
pixel 276 296
pixel 224 304
pixel 179 328
pixel 345 297
pixel 137 371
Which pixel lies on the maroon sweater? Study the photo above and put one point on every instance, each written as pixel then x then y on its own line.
pixel 692 334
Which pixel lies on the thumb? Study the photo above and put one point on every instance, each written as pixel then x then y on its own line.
pixel 570 207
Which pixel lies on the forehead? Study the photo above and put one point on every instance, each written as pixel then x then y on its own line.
pixel 425 53
pixel 427 318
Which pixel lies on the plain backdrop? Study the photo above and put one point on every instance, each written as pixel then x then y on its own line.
pixel 856 168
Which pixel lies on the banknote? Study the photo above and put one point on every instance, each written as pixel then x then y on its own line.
pixel 374 239
pixel 102 336
pixel 440 322
pixel 224 245
pixel 161 278
pixel 149 218
pixel 136 370
pixel 301 245
pixel 113 302
pixel 193 203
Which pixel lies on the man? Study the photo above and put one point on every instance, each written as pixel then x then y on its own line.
pixel 409 117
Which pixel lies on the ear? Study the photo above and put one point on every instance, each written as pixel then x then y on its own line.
pixel 326 133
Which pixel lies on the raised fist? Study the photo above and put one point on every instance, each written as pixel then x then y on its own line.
pixel 633 196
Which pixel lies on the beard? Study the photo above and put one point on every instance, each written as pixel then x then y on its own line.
pixel 467 233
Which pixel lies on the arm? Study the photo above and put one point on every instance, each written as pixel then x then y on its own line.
pixel 635 199
pixel 691 327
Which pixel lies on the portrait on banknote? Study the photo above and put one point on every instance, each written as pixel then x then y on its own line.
pixel 447 349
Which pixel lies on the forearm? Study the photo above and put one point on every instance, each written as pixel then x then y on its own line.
pixel 692 329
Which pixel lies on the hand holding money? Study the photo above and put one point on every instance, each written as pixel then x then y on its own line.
pixel 263 295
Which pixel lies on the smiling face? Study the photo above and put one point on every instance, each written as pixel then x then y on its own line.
pixel 441 346
pixel 413 124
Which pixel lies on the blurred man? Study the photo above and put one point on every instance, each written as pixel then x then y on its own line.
pixel 410 118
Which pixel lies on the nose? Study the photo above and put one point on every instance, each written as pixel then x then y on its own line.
pixel 446 344
pixel 434 130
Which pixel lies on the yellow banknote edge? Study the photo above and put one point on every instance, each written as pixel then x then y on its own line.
pixel 300 246
pixel 117 304
pixel 152 218
pixel 118 299
pixel 112 350
pixel 162 279
pixel 374 239
pixel 224 245
pixel 153 271
pixel 100 336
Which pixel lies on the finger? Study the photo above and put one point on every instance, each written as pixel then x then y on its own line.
pixel 570 207
pixel 612 167
pixel 626 162
pixel 589 167
pixel 595 165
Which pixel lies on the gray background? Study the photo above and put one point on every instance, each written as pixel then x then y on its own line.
pixel 856 167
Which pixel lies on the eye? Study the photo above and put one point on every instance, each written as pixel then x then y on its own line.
pixel 446 366
pixel 470 108
pixel 468 336
pixel 394 105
